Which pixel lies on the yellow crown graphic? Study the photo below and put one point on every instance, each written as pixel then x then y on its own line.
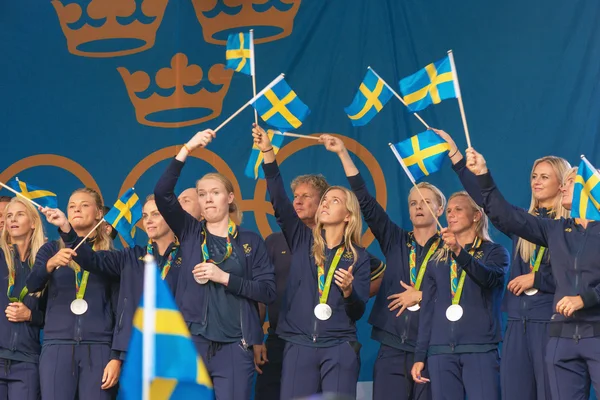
pixel 109 28
pixel 271 19
pixel 170 104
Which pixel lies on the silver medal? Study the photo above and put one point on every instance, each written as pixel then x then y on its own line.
pixel 531 291
pixel 454 312
pixel 79 306
pixel 323 312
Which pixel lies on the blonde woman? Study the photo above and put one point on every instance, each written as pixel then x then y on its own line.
pixel 75 360
pixel 318 319
pixel 24 311
pixel 530 290
pixel 225 272
pixel 460 325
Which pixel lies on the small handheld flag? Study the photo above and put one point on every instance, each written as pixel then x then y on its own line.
pixel 126 212
pixel 253 168
pixel 279 106
pixel 422 154
pixel 41 197
pixel 240 53
pixel 373 94
pixel 586 192
pixel 162 362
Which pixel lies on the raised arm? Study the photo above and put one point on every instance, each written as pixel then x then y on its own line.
pixel 488 274
pixel 503 215
pixel 386 232
pixel 40 272
pixel 166 201
pixel 294 230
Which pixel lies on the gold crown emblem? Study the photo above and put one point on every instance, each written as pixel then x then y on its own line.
pixel 177 108
pixel 271 19
pixel 247 248
pixel 109 28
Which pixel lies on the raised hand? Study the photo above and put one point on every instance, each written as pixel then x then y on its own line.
pixel 332 143
pixel 476 162
pixel 261 139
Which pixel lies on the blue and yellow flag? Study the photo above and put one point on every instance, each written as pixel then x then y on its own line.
pixel 126 212
pixel 430 85
pixel 240 53
pixel 253 168
pixel 586 192
pixel 280 107
pixel 43 197
pixel 372 95
pixel 423 154
pixel 178 372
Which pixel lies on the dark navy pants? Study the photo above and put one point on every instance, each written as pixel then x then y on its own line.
pixel 268 384
pixel 523 372
pixel 475 374
pixel 19 380
pixel 70 371
pixel 392 378
pixel 309 370
pixel 571 366
pixel 231 368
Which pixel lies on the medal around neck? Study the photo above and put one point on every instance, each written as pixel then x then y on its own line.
pixel 531 291
pixel 79 306
pixel 414 308
pixel 454 312
pixel 323 312
pixel 200 280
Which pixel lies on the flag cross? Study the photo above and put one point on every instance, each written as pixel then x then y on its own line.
pixel 372 97
pixel 586 193
pixel 279 106
pixel 418 157
pixel 239 53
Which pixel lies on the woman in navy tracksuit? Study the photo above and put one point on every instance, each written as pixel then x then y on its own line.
pixel 530 290
pixel 572 353
pixel 225 272
pixel 127 266
pixel 76 355
pixel 460 324
pixel 317 319
pixel 405 252
pixel 23 314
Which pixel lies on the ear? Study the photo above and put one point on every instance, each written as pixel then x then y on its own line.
pixel 477 217
pixel 440 211
pixel 230 198
pixel 99 214
pixel 347 217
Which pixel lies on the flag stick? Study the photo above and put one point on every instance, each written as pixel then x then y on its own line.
pixel 414 183
pixel 19 194
pixel 89 233
pixel 400 98
pixel 459 97
pixel 269 86
pixel 149 325
pixel 296 135
pixel 253 72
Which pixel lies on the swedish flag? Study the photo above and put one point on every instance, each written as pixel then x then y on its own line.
pixel 126 212
pixel 372 95
pixel 586 192
pixel 430 85
pixel 43 197
pixel 240 53
pixel 253 169
pixel 175 369
pixel 280 107
pixel 423 154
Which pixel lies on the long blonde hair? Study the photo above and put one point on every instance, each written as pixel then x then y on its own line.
pixel 234 210
pixel 36 241
pixel 560 166
pixel 352 231
pixel 102 240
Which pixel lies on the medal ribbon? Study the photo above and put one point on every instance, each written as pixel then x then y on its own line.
pixel 456 286
pixel 81 279
pixel 170 258
pixel 325 285
pixel 535 261
pixel 11 285
pixel 231 231
pixel 415 280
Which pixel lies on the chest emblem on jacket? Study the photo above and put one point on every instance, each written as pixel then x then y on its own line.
pixel 348 256
pixel 568 230
pixel 478 255
pixel 247 248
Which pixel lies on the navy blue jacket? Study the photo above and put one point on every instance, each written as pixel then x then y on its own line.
pixel 574 251
pixel 20 341
pixel 258 284
pixel 127 267
pixel 479 328
pixel 399 332
pixel 96 325
pixel 539 306
pixel 297 322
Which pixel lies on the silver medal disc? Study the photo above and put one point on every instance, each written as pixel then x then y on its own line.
pixel 454 312
pixel 414 308
pixel 531 291
pixel 200 281
pixel 323 312
pixel 79 306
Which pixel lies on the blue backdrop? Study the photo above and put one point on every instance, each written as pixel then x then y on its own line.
pixel 99 92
